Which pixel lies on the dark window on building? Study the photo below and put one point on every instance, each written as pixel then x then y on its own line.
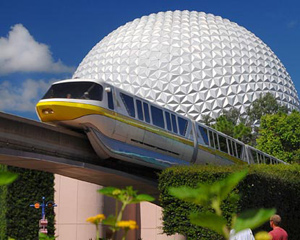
pixel 76 90
pixel 110 100
pixel 129 104
pixel 168 121
pixel 182 123
pixel 203 132
pixel 139 110
pixel 157 117
pixel 174 123
pixel 146 112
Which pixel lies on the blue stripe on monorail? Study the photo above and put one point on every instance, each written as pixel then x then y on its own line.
pixel 144 156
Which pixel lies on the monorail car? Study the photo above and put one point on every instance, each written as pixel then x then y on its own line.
pixel 123 126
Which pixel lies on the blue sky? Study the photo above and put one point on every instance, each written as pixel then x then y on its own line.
pixel 43 41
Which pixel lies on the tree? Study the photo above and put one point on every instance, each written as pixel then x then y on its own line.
pixel 207 120
pixel 232 124
pixel 224 125
pixel 265 104
pixel 243 133
pixel 279 136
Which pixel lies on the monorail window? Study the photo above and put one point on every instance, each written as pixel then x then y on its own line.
pixel 110 100
pixel 239 150
pixel 139 110
pixel 157 117
pixel 254 156
pixel 129 104
pixel 213 137
pixel 203 132
pixel 146 112
pixel 223 144
pixel 168 121
pixel 76 90
pixel 230 146
pixel 182 123
pixel 216 141
pixel 174 123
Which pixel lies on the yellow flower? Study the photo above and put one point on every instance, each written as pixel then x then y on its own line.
pixel 262 236
pixel 96 219
pixel 127 224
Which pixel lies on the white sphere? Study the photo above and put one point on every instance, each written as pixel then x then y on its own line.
pixel 189 62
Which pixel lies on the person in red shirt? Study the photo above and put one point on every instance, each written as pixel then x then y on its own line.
pixel 277 233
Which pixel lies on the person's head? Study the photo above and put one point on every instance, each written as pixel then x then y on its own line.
pixel 275 221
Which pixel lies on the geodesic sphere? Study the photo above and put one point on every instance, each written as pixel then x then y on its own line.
pixel 189 62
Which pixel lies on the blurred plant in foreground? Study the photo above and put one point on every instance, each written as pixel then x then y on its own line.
pixel 96 220
pixel 7 178
pixel 125 197
pixel 43 236
pixel 263 236
pixel 211 196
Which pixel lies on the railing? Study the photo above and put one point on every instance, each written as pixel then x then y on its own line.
pixel 233 147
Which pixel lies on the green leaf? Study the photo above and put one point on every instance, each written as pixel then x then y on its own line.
pixel 253 218
pixel 110 221
pixel 7 177
pixel 109 191
pixel 225 186
pixel 200 196
pixel 209 220
pixel 142 198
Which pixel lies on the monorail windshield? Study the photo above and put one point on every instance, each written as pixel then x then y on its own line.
pixel 76 90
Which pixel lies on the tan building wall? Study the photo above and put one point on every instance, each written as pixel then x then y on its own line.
pixel 77 200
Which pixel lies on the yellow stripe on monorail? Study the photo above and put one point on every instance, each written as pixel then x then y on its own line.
pixel 63 111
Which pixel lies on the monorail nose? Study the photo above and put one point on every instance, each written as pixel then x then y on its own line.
pixel 53 111
pixel 47 111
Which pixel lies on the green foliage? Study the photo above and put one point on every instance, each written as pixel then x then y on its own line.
pixel 212 195
pixel 244 128
pixel 252 219
pixel 224 125
pixel 243 133
pixel 3 192
pixel 265 104
pixel 279 135
pixel 5 178
pixel 43 236
pixel 30 187
pixel 265 186
pixel 232 124
pixel 126 196
pixel 207 120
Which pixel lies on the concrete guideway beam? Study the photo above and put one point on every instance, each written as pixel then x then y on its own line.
pixel 34 145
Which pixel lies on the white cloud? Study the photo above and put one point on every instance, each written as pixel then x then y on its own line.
pixel 22 98
pixel 19 52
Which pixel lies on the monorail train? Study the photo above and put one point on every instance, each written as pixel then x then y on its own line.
pixel 123 126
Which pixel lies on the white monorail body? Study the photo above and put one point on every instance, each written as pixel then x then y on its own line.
pixel 123 126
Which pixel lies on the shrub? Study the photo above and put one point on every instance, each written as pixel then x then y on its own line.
pixel 266 186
